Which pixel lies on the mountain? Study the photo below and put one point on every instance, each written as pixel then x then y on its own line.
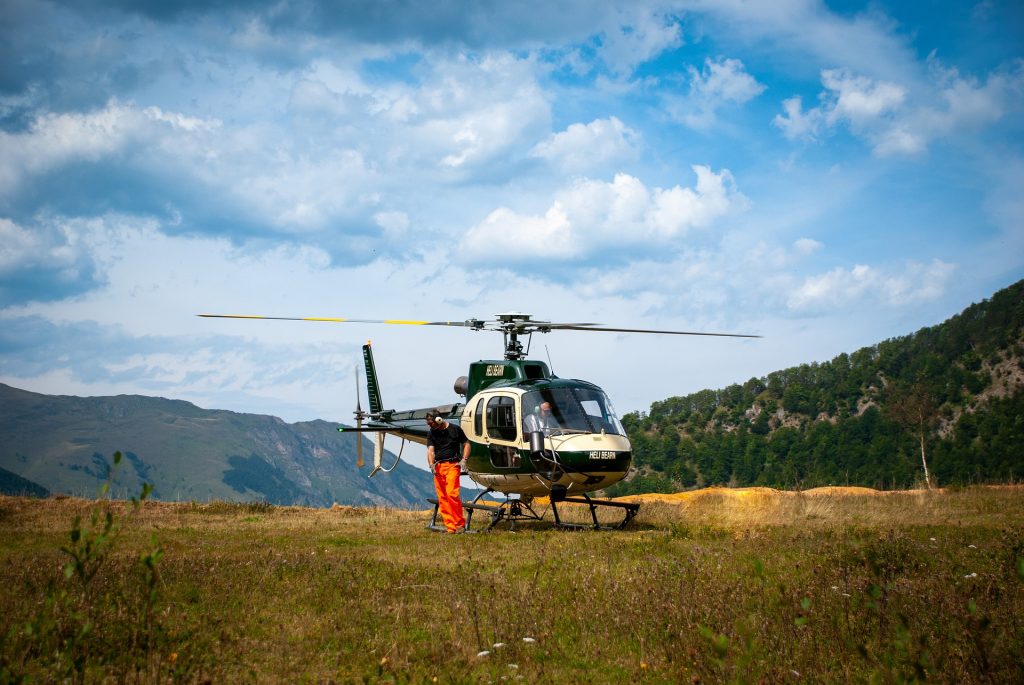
pixel 954 392
pixel 13 484
pixel 66 444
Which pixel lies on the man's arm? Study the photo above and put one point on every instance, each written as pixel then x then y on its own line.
pixel 430 457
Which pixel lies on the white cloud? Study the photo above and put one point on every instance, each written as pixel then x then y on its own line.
pixel 394 224
pixel 582 147
pixel 896 121
pixel 863 104
pixel 592 215
pixel 809 32
pixel 464 113
pixel 740 272
pixel 637 35
pixel 967 103
pixel 345 152
pixel 720 83
pixel 842 288
pixel 857 99
pixel 509 235
pixel 296 195
pixel 313 98
pixel 806 246
pixel 48 260
pixel 797 124
pixel 16 245
pixel 470 112
pixel 897 140
pixel 835 288
pixel 55 139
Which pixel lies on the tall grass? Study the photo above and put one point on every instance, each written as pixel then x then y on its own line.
pixel 717 587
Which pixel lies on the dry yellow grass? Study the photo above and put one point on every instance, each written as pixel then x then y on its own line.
pixel 824 506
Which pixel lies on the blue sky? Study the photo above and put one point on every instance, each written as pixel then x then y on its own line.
pixel 827 175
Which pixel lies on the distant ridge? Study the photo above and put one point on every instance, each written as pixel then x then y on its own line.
pixel 13 484
pixel 65 444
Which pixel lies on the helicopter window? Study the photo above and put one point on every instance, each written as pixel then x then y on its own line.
pixel 579 410
pixel 504 456
pixel 501 418
pixel 478 418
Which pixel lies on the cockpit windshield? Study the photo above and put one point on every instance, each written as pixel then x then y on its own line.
pixel 558 411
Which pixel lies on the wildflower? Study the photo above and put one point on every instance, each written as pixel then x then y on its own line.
pixel 383 661
pixel 499 645
pixel 481 655
pixel 172 657
pixel 643 665
pixel 971 575
pixel 513 666
pixel 529 640
pixel 932 539
pixel 971 547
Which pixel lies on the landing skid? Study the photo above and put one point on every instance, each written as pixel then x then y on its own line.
pixel 630 508
pixel 511 510
pixel 516 510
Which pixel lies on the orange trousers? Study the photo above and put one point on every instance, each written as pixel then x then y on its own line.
pixel 446 482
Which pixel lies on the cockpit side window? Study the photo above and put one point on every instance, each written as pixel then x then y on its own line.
pixel 501 418
pixel 592 408
pixel 478 418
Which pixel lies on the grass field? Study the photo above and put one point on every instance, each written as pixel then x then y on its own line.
pixel 715 586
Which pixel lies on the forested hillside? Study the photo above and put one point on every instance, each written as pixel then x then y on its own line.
pixel 954 392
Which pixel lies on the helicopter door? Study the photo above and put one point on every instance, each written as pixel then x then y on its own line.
pixel 502 431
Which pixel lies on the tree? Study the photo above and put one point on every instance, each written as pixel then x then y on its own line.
pixel 913 408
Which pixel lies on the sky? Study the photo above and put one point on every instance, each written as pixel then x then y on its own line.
pixel 825 175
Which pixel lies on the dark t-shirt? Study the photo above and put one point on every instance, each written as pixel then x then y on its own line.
pixel 446 442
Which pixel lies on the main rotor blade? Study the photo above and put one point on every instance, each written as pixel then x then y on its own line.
pixel 330 319
pixel 523 327
pixel 577 327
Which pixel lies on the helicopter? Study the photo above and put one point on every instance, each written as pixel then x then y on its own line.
pixel 532 434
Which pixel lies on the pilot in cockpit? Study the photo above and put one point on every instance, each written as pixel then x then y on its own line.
pixel 541 420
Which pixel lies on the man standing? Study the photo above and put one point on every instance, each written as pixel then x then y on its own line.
pixel 447 447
